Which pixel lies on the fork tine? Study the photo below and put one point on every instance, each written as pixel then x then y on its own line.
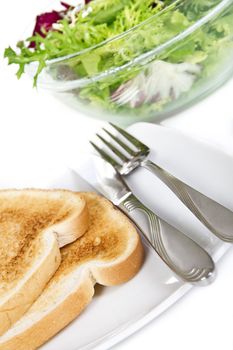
pixel 130 138
pixel 105 155
pixel 121 143
pixel 113 149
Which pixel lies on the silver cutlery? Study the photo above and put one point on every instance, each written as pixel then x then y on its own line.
pixel 184 256
pixel 132 153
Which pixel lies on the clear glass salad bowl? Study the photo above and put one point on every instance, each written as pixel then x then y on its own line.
pixel 159 67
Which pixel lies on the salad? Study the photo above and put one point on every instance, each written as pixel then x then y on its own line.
pixel 99 36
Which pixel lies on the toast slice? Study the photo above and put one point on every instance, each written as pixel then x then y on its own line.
pixel 33 225
pixel 109 253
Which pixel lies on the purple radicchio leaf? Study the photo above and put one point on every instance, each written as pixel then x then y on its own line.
pixel 45 21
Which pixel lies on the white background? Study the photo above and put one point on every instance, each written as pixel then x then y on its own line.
pixel 33 125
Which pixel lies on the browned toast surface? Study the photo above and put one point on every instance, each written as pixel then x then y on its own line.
pixel 110 252
pixel 34 224
pixel 104 240
pixel 23 217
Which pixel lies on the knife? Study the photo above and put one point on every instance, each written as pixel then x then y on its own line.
pixel 185 257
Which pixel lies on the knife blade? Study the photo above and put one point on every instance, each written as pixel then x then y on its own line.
pixel 111 185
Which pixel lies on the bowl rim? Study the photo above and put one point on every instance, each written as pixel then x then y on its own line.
pixel 142 59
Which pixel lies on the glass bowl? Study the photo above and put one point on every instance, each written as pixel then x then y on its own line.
pixel 151 71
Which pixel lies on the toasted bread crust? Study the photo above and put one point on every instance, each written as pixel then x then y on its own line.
pixel 76 226
pixel 53 322
pixel 123 271
pixel 75 223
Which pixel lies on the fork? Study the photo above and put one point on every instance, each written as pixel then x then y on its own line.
pixel 214 216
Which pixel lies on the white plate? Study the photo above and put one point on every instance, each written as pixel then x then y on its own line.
pixel 117 312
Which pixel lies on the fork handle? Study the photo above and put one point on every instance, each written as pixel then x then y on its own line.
pixel 217 218
pixel 184 256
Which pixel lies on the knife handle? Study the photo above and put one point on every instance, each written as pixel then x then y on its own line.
pixel 217 218
pixel 184 256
